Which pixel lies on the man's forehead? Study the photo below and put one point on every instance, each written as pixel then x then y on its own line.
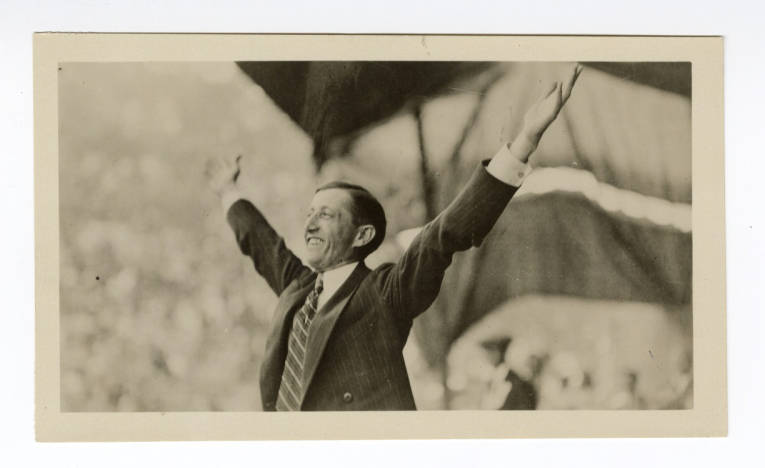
pixel 331 198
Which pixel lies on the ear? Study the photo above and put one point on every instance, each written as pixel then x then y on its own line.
pixel 364 235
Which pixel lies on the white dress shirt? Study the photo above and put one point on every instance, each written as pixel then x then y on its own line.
pixel 508 168
pixel 332 280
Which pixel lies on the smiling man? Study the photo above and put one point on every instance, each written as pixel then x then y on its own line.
pixel 345 223
pixel 339 327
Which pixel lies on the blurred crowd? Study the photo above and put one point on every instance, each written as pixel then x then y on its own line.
pixel 577 354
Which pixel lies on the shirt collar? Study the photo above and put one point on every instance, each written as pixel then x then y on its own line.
pixel 335 278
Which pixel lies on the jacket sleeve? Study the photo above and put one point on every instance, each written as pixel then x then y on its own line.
pixel 412 284
pixel 258 240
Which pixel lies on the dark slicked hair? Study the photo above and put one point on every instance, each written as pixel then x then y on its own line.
pixel 365 209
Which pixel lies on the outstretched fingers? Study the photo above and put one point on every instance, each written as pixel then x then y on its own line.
pixel 217 167
pixel 549 90
pixel 569 86
pixel 237 167
pixel 212 167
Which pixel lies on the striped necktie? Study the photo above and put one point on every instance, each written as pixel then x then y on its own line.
pixel 291 387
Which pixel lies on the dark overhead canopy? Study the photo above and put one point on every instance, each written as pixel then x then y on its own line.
pixel 331 99
pixel 339 99
pixel 669 76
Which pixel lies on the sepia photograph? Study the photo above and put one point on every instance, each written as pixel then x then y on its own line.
pixel 485 236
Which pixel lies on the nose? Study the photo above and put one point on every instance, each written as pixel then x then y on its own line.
pixel 310 223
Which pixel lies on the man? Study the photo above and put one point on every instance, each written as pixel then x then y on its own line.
pixel 339 327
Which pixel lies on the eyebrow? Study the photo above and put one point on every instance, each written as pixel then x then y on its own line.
pixel 321 208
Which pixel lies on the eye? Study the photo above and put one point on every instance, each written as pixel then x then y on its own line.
pixel 325 214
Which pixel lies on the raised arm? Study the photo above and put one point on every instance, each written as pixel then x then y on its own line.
pixel 414 281
pixel 254 235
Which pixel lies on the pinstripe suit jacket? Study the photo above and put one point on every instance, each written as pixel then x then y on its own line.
pixel 354 352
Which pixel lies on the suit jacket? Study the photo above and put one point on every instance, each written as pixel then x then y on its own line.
pixel 354 355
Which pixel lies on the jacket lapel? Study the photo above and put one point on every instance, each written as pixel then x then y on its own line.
pixel 325 321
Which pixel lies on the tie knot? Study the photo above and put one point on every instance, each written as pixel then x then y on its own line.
pixel 319 285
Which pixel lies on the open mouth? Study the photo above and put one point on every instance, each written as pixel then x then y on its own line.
pixel 314 241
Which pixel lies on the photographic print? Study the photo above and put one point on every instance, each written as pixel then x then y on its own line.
pixel 279 235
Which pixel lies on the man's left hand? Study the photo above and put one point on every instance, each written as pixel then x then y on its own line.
pixel 546 109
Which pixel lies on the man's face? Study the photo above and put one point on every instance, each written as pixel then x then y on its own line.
pixel 329 229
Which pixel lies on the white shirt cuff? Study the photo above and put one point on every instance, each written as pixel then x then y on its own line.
pixel 508 168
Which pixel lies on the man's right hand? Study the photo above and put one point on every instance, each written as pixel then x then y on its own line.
pixel 221 173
